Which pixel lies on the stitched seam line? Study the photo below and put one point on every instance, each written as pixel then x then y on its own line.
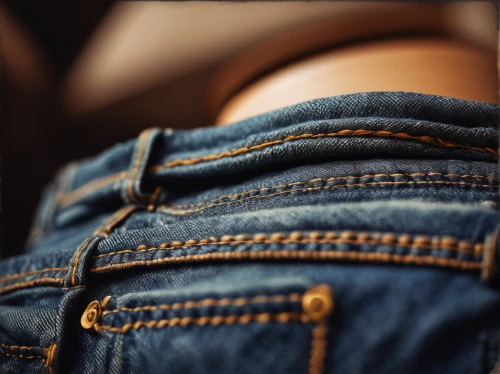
pixel 20 356
pixel 90 187
pixel 295 297
pixel 182 212
pixel 137 164
pixel 36 282
pixel 332 179
pixel 303 255
pixel 318 348
pixel 77 258
pixel 114 220
pixel 50 357
pixel 18 275
pixel 385 134
pixel 19 347
pixel 348 237
pixel 212 320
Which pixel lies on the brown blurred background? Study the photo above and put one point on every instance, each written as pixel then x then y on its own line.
pixel 80 76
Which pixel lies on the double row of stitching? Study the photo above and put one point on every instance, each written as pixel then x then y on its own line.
pixel 28 273
pixel 346 177
pixel 300 255
pixel 294 297
pixel 210 320
pixel 329 237
pixel 92 186
pixel 318 342
pixel 347 132
pixel 174 210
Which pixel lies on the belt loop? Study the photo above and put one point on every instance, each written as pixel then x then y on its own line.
pixel 131 187
pixel 78 264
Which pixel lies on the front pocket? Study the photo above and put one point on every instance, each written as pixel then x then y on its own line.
pixel 266 328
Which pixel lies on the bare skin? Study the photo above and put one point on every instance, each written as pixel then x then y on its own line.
pixel 429 65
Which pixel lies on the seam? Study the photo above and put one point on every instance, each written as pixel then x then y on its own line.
pixel 318 348
pixel 77 258
pixel 50 357
pixel 36 282
pixel 346 132
pixel 21 356
pixel 72 288
pixel 70 197
pixel 489 257
pixel 210 320
pixel 114 220
pixel 173 211
pixel 294 297
pixel 301 255
pixel 19 347
pixel 152 200
pixel 18 275
pixel 137 164
pixel 403 240
pixel 331 179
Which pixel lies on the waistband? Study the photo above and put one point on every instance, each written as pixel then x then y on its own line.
pixel 355 125
pixel 390 125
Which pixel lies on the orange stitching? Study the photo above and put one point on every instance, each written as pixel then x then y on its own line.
pixel 20 356
pixel 36 282
pixel 50 357
pixel 318 347
pixel 75 263
pixel 330 179
pixel 292 255
pixel 386 134
pixel 18 347
pixel 137 163
pixel 183 212
pixel 488 260
pixel 152 200
pixel 90 187
pixel 46 270
pixel 72 288
pixel 418 242
pixel 294 297
pixel 212 320
pixel 115 219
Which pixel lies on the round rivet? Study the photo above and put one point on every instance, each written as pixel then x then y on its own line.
pixel 317 303
pixel 91 314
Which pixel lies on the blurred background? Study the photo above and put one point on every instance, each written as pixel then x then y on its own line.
pixel 80 76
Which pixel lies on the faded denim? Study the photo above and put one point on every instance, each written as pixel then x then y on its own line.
pixel 353 234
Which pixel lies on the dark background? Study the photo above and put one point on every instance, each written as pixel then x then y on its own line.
pixel 41 40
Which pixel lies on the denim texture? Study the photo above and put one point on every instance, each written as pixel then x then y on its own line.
pixel 353 234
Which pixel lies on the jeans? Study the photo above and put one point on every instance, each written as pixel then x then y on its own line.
pixel 353 234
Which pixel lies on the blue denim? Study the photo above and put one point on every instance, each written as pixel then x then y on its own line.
pixel 353 234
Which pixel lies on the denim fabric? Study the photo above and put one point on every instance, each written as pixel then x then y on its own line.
pixel 354 234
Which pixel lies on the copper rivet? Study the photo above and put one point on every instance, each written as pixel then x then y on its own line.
pixel 317 303
pixel 91 314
